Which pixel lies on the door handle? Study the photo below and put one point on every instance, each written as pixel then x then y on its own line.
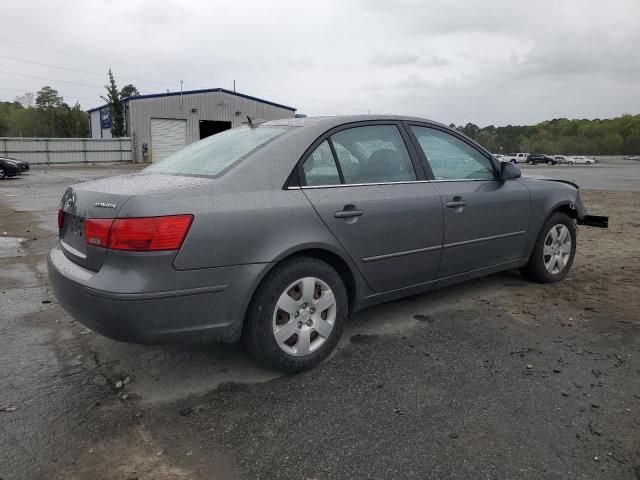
pixel 348 213
pixel 456 204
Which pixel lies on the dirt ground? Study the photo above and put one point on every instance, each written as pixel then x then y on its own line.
pixel 494 378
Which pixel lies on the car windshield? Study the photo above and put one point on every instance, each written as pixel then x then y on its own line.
pixel 212 155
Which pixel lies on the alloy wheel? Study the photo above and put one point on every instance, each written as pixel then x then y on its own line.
pixel 557 249
pixel 304 316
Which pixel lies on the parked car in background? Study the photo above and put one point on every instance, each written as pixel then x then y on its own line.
pixel 24 166
pixel 515 157
pixel 561 158
pixel 282 230
pixel 636 158
pixel 537 158
pixel 9 168
pixel 498 157
pixel 580 160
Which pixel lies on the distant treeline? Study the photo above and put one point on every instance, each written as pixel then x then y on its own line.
pixel 614 136
pixel 46 115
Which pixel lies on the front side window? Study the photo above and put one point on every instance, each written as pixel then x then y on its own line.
pixel 450 158
pixel 214 154
pixel 320 167
pixel 373 154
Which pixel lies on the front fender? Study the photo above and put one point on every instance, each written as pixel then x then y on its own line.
pixel 548 197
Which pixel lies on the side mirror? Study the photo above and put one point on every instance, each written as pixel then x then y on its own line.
pixel 509 170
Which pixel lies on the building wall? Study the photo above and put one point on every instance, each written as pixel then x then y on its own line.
pixel 219 106
pixel 96 131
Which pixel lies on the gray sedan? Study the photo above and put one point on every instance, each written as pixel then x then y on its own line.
pixel 276 232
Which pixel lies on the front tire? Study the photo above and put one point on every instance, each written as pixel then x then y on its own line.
pixel 554 250
pixel 297 315
pixel 529 162
pixel 2 174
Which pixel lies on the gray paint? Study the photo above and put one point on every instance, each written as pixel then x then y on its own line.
pixel 245 222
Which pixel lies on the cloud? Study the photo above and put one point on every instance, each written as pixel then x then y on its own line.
pixel 496 61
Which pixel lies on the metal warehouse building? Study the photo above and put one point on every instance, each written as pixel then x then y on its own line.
pixel 160 124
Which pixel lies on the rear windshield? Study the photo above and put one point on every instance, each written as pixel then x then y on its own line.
pixel 216 153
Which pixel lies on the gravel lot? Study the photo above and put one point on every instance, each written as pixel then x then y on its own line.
pixel 494 378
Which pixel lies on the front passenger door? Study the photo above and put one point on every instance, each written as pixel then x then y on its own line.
pixel 485 218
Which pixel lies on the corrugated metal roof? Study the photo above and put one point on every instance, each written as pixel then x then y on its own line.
pixel 206 90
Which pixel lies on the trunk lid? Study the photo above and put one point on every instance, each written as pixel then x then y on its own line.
pixel 103 199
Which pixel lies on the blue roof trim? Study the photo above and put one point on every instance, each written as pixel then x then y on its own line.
pixel 206 90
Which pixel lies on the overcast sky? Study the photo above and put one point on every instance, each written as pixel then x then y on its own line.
pixel 487 62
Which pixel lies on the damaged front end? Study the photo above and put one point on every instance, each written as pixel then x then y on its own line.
pixel 598 221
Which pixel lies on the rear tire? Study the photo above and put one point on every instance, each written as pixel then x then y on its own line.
pixel 529 162
pixel 307 329
pixel 570 162
pixel 2 173
pixel 554 250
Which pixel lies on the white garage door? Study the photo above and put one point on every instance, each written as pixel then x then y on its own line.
pixel 167 136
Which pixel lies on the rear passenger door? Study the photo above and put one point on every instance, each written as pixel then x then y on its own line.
pixel 485 218
pixel 364 184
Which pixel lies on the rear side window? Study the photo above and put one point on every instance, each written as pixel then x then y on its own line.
pixel 320 167
pixel 373 154
pixel 216 153
pixel 450 158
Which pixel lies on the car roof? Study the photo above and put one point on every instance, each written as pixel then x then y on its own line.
pixel 328 122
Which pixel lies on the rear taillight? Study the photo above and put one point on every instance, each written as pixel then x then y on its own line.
pixel 60 219
pixel 96 231
pixel 138 234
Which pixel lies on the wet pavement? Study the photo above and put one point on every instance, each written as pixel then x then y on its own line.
pixel 495 378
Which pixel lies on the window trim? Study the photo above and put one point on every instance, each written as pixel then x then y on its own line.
pixel 302 177
pixel 423 157
pixel 417 166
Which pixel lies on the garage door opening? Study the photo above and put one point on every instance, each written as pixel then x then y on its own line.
pixel 211 127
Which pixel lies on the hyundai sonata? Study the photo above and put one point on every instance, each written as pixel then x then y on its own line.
pixel 276 232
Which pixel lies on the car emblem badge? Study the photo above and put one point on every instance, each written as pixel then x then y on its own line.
pixel 104 205
pixel 71 201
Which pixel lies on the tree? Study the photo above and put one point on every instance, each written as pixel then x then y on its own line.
pixel 27 100
pixel 115 107
pixel 128 91
pixel 48 98
pixel 470 130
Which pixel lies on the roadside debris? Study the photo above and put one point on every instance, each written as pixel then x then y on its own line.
pixel 8 408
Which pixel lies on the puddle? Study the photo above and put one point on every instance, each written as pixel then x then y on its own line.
pixel 12 247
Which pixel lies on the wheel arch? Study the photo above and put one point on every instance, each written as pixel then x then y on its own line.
pixel 564 207
pixel 329 254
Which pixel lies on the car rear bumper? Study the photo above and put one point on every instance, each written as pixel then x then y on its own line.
pixel 192 314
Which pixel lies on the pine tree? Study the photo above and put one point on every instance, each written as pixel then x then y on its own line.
pixel 115 107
